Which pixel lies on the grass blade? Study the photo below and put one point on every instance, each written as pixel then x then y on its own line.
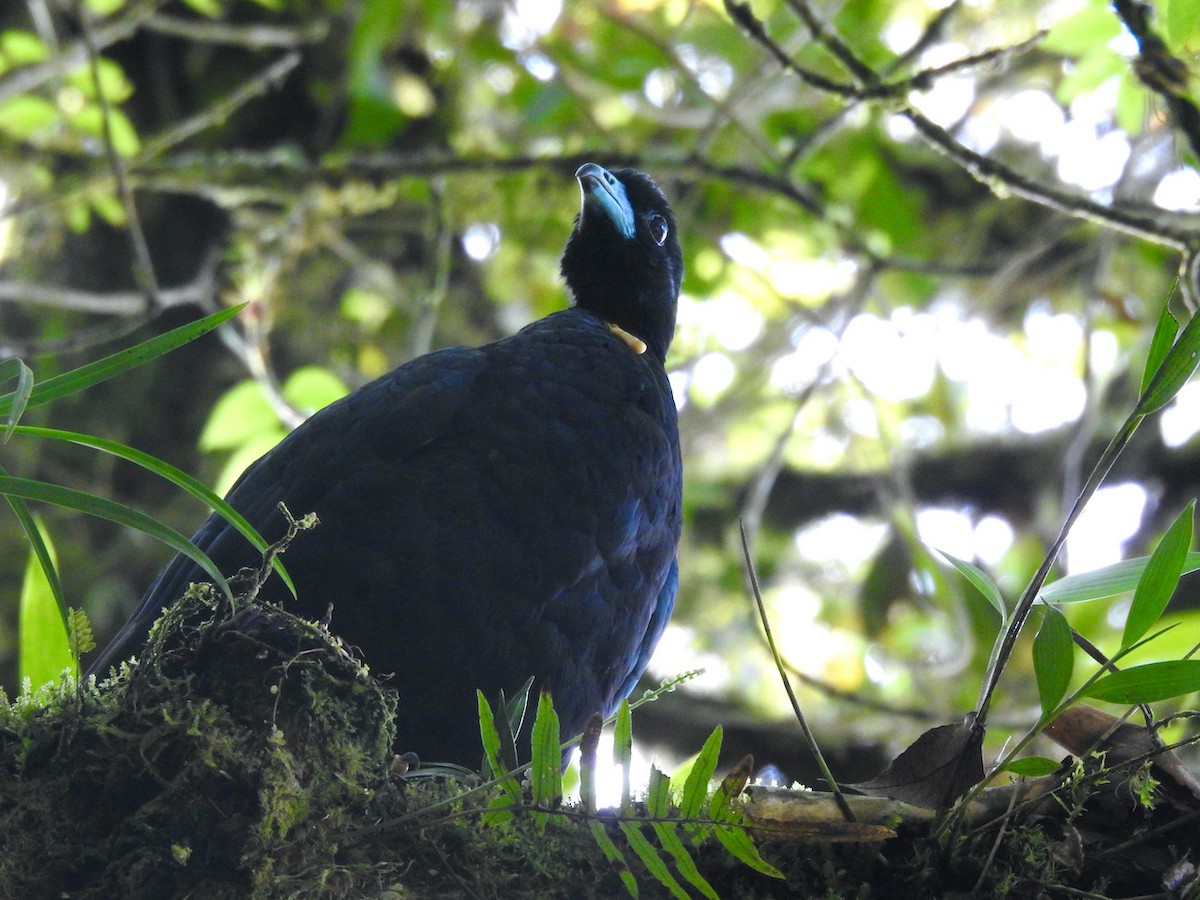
pixel 15 368
pixel 117 363
pixel 28 523
pixel 80 501
pixel 176 476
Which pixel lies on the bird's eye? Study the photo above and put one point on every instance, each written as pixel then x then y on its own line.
pixel 658 229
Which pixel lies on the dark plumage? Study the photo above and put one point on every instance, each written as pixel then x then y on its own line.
pixel 491 514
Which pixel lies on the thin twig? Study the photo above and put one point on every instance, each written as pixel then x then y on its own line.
pixel 220 110
pixel 252 37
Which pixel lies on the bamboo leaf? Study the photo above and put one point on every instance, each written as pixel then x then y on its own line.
pixel 1148 683
pixel 1160 345
pixel 1119 578
pixel 27 489
pixel 1175 370
pixel 981 582
pixel 117 363
pixel 1053 658
pixel 1159 580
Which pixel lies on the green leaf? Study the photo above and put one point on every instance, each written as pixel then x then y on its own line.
pixel 514 709
pixel 165 470
pixel 546 768
pixel 311 388
pixel 1148 683
pixel 614 856
pixel 33 533
pixel 1033 766
pixel 1175 371
pixel 650 858
pixel 981 582
pixel 240 414
pixel 1081 32
pixel 623 753
pixel 1053 658
pixel 1164 336
pixel 25 117
pixel 212 9
pixel 510 790
pixel 735 839
pixel 1161 577
pixel 123 361
pixel 695 789
pixel 15 368
pixel 1109 581
pixel 1181 25
pixel 658 806
pixel 587 763
pixel 21 48
pixel 103 508
pixel 44 646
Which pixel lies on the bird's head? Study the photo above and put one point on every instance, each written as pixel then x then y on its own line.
pixel 623 261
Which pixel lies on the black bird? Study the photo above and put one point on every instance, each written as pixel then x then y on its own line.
pixel 491 514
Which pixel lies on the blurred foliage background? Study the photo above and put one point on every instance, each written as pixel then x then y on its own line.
pixel 885 348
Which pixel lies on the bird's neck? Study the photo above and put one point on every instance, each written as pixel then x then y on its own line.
pixel 648 318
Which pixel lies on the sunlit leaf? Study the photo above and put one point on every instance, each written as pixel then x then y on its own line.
pixel 623 752
pixel 44 646
pixel 695 789
pixel 1161 577
pixel 1118 578
pixel 546 768
pixel 510 791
